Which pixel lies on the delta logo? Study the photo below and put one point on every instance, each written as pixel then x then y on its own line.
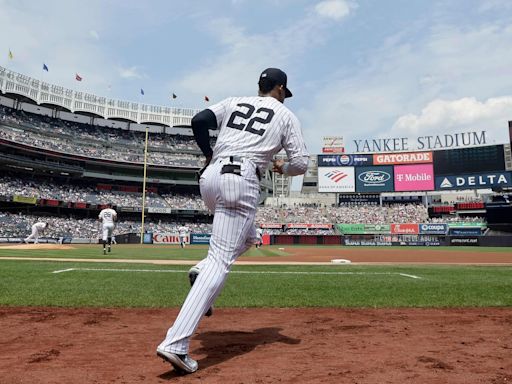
pixel 336 176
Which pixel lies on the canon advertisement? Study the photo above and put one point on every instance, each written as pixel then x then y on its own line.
pixel 168 238
pixel 474 181
pixel 414 177
pixel 343 160
pixel 336 179
pixel 374 179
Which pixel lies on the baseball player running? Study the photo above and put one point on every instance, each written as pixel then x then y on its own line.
pixel 259 237
pixel 183 233
pixel 252 131
pixel 37 230
pixel 108 217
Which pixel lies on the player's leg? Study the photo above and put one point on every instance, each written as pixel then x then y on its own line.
pixel 233 224
pixel 36 236
pixel 104 239
pixel 109 236
pixel 31 236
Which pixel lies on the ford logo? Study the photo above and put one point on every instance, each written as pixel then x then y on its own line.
pixel 374 177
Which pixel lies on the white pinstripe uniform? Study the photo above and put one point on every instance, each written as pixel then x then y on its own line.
pixel 183 232
pixel 107 217
pixel 37 229
pixel 252 131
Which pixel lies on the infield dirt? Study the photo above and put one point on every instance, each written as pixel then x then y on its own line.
pixel 318 345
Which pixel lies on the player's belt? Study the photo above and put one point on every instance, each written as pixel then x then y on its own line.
pixel 236 168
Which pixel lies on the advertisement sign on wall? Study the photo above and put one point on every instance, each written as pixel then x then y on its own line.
pixel 168 238
pixel 405 229
pixel 343 160
pixel 474 181
pixel 200 238
pixel 414 177
pixel 361 229
pixel 467 231
pixel 336 179
pixel 433 229
pixel 374 179
pixel 465 241
pixel 402 158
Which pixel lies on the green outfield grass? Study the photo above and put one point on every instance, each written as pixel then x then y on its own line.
pixel 132 251
pixel 197 252
pixel 33 283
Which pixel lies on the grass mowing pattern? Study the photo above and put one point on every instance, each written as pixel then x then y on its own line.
pixel 29 283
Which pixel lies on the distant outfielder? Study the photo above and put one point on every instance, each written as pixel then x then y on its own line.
pixel 37 230
pixel 252 131
pixel 183 233
pixel 108 217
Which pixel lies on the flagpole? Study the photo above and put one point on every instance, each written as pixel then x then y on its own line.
pixel 144 186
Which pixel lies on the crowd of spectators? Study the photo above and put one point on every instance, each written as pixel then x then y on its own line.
pixel 74 193
pixel 98 141
pixel 371 214
pixel 19 225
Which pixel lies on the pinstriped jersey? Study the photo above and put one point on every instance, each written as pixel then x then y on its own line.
pixel 257 128
pixel 108 216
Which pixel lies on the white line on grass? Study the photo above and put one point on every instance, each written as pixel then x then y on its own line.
pixel 246 272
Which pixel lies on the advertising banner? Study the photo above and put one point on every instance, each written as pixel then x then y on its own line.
pixel 200 238
pixel 405 229
pixel 465 241
pixel 269 225
pixel 363 229
pixel 433 229
pixel 369 242
pixel 24 199
pixel 466 231
pixel 402 158
pixel 344 160
pixel 168 238
pixel 414 177
pixel 333 144
pixel 309 226
pixel 466 224
pixel 474 181
pixel 336 179
pixel 159 210
pixel 374 179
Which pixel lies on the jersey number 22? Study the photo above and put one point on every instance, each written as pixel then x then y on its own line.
pixel 262 115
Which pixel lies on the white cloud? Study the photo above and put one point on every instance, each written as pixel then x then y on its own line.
pixel 460 77
pixel 94 34
pixel 130 73
pixel 333 9
pixel 441 116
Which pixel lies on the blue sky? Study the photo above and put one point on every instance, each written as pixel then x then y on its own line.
pixel 357 68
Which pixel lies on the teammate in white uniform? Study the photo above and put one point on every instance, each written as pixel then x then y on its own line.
pixel 252 131
pixel 37 230
pixel 259 237
pixel 183 233
pixel 108 217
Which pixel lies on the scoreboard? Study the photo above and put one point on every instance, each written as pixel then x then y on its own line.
pixel 469 160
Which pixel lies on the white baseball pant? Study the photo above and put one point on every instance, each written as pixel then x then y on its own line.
pixel 233 200
pixel 108 228
pixel 34 235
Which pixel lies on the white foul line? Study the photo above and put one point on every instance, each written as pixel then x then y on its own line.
pixel 241 272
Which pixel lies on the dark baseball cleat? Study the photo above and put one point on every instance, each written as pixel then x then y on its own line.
pixel 109 249
pixel 192 276
pixel 181 363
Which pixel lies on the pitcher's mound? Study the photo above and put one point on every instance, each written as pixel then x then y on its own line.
pixel 36 246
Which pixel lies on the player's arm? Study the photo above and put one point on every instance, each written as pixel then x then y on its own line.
pixel 295 147
pixel 202 122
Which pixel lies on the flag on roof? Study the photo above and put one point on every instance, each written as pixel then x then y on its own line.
pixel 11 56
pixel 174 96
pixel 45 67
pixel 142 92
pixel 206 98
pixel 78 77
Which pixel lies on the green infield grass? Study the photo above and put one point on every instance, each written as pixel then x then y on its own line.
pixel 78 284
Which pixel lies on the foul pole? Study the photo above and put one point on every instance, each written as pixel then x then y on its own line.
pixel 144 187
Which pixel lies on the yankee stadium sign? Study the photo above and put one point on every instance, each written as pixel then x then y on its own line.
pixel 421 143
